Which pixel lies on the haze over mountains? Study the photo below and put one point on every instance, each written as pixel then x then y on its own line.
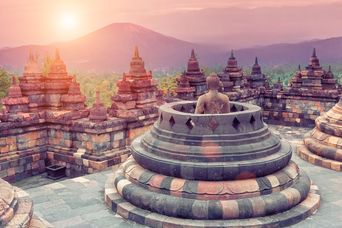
pixel 248 27
pixel 110 49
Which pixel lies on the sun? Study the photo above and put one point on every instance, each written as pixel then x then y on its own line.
pixel 68 20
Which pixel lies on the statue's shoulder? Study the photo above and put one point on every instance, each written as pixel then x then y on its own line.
pixel 224 96
pixel 202 97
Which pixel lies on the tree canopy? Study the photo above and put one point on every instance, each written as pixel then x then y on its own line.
pixel 5 82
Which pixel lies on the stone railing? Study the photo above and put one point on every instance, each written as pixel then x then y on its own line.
pixel 179 117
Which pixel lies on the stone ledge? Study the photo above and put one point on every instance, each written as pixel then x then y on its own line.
pixel 128 211
pixel 22 213
pixel 37 222
pixel 304 153
pixel 77 165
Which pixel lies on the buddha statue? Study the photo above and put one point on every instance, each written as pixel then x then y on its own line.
pixel 213 102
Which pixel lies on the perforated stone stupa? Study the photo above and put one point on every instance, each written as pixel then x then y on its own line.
pixel 217 170
pixel 322 146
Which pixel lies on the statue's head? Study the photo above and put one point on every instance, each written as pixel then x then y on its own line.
pixel 213 82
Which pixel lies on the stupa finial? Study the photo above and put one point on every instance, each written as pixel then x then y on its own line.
pixel 232 54
pixel 14 80
pixel 136 52
pixel 31 57
pixel 193 56
pixel 314 53
pixel 57 56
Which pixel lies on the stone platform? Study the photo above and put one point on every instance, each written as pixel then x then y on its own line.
pixel 79 202
pixel 312 91
pixel 232 209
pixel 199 170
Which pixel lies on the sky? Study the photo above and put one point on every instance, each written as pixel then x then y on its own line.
pixel 47 21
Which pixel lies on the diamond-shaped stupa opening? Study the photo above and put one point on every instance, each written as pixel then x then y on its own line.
pixel 252 120
pixel 190 124
pixel 236 123
pixel 172 121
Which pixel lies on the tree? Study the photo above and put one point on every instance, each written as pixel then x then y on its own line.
pixel 167 83
pixel 5 82
pixel 47 65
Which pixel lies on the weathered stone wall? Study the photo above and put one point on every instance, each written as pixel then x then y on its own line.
pixel 45 121
pixel 28 143
pixel 83 149
pixel 295 111
pixel 22 150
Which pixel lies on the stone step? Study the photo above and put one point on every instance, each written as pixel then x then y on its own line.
pixel 127 210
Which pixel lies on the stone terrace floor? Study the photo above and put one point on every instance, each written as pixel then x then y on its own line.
pixel 79 202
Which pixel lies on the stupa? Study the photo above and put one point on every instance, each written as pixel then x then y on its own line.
pixel 312 91
pixel 32 83
pixel 195 76
pixel 16 208
pixel 15 102
pixel 313 81
pixel 184 90
pixel 74 99
pixel 232 76
pixel 50 125
pixel 137 92
pixel 211 170
pixel 98 112
pixel 257 79
pixel 278 86
pixel 322 146
pixel 57 83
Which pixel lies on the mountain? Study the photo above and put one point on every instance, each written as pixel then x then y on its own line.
pixel 110 49
pixel 329 51
pixel 234 27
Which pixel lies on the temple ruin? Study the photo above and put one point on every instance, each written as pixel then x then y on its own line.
pixel 45 121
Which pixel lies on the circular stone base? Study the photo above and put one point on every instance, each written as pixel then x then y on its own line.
pixel 305 154
pixel 128 211
pixel 16 208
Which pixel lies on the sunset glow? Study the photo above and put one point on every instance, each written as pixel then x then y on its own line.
pixel 64 20
pixel 68 21
pixel 181 113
